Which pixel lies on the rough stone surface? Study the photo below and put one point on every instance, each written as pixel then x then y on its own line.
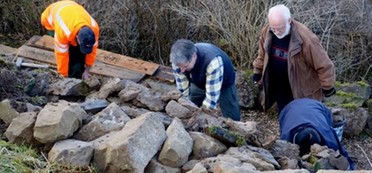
pixel 156 167
pixel 71 152
pixel 110 119
pixel 69 87
pixel 356 120
pixel 205 146
pixel 58 121
pixel 20 130
pixel 136 144
pixel 151 100
pixel 171 95
pixel 7 112
pixel 177 147
pixel 175 109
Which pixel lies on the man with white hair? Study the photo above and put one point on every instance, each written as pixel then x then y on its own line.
pixel 291 62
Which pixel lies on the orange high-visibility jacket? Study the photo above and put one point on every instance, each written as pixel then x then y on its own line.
pixel 66 18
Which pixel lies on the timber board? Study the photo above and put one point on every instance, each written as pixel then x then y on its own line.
pixel 137 65
pixel 47 57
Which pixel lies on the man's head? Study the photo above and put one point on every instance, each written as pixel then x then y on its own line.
pixel 279 18
pixel 183 55
pixel 305 137
pixel 86 40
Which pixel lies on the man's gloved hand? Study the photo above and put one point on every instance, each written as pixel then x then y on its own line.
pixel 256 77
pixel 329 92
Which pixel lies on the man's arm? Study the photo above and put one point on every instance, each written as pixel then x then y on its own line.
pixel 213 83
pixel 182 82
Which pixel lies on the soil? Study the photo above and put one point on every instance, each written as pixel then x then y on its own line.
pixel 29 85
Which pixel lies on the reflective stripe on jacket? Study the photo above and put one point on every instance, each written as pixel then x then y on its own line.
pixel 66 18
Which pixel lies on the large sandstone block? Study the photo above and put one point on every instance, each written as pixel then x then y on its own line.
pixel 177 147
pixel 110 119
pixel 132 148
pixel 58 121
pixel 7 112
pixel 20 131
pixel 71 152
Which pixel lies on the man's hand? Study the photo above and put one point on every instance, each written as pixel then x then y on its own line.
pixel 329 93
pixel 86 73
pixel 256 78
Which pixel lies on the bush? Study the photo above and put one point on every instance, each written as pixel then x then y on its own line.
pixel 20 19
pixel 147 29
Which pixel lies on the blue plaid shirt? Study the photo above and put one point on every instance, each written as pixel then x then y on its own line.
pixel 213 85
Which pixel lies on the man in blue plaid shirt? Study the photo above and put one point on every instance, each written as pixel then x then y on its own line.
pixel 205 74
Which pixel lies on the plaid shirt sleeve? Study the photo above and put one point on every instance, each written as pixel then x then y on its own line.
pixel 182 82
pixel 214 82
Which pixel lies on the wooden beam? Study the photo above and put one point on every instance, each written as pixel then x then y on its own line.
pixel 137 65
pixel 4 50
pixel 99 68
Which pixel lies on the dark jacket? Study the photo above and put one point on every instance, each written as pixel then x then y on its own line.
pixel 307 112
pixel 205 53
pixel 309 68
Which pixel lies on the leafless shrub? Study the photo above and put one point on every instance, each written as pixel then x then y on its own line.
pixel 236 24
pixel 138 28
pixel 147 29
pixel 344 29
pixel 21 18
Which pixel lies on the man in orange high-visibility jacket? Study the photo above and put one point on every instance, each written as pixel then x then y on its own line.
pixel 75 37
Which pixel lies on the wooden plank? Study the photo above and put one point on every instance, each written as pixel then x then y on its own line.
pixel 4 50
pixel 45 42
pixel 41 55
pixel 141 66
pixel 127 62
pixel 99 68
pixel 114 71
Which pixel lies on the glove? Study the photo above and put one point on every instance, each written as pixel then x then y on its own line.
pixel 329 92
pixel 256 77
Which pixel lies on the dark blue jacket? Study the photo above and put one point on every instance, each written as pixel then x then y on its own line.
pixel 205 53
pixel 307 112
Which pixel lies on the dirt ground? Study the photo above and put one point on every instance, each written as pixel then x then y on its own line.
pixel 28 85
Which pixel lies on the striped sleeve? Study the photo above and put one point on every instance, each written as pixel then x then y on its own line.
pixel 214 82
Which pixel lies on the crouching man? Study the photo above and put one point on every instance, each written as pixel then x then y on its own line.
pixel 307 121
pixel 205 74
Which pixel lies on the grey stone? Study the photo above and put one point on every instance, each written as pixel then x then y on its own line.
pixel 71 152
pixel 58 121
pixel 136 144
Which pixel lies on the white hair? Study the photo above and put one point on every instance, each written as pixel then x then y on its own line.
pixel 281 9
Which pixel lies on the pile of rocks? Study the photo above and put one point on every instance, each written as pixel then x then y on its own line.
pixel 123 126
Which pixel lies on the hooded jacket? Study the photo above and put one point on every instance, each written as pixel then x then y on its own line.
pixel 307 112
pixel 66 18
pixel 309 68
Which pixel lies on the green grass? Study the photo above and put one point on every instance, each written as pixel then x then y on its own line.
pixel 15 158
pixel 23 159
